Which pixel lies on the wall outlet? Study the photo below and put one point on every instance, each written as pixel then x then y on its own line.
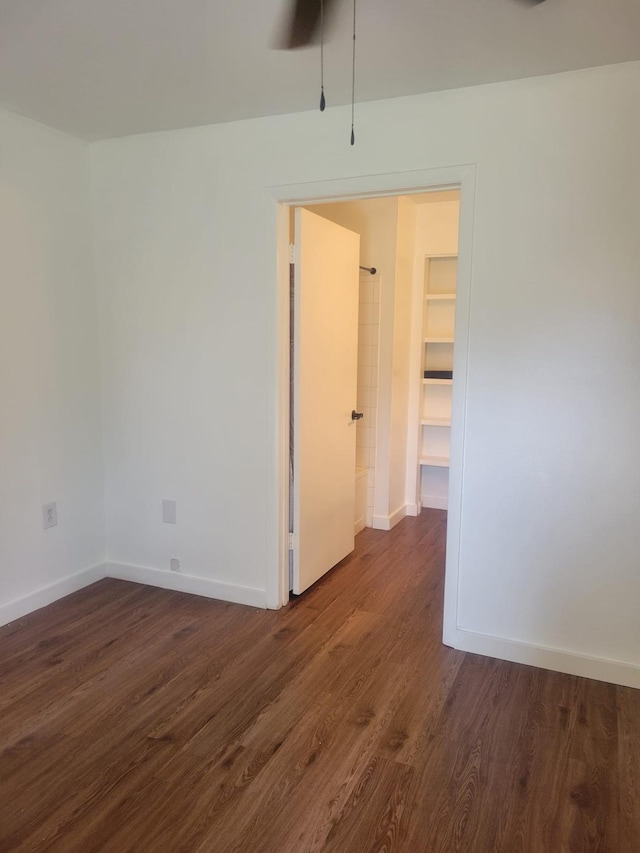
pixel 49 515
pixel 175 564
pixel 169 512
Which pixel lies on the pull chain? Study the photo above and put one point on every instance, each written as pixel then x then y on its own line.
pixel 323 102
pixel 353 78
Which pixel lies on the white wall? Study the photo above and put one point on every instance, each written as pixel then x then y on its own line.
pixel 437 228
pixel 185 229
pixel 367 390
pixel 50 440
pixel 368 382
pixel 403 298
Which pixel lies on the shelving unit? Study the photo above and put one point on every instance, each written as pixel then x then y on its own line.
pixel 440 297
pixel 436 422
pixel 435 461
pixel 437 381
pixel 437 354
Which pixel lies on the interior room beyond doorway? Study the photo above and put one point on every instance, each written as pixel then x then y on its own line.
pixel 406 330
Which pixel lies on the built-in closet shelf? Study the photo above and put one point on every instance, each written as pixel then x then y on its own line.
pixel 435 461
pixel 437 422
pixel 436 345
pixel 440 297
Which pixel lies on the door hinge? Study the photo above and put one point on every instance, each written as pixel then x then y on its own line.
pixel 291 542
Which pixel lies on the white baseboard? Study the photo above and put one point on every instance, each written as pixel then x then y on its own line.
pixel 13 610
pixel 48 594
pixel 600 669
pixel 251 596
pixel 388 522
pixel 413 510
pixel 435 502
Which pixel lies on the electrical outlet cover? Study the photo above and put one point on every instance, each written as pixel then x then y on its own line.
pixel 169 511
pixel 49 515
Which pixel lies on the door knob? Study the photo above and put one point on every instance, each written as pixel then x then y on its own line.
pixel 355 416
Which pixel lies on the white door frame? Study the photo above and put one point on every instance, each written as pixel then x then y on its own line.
pixel 345 189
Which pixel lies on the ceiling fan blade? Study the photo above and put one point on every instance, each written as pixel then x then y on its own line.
pixel 303 25
pixel 304 22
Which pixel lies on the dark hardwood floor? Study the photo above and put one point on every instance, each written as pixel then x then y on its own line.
pixel 136 719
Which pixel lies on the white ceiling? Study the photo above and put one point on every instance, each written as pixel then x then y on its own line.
pixel 101 68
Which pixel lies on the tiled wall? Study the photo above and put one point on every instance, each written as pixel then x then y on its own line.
pixel 368 333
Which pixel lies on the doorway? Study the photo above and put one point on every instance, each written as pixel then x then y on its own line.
pixel 349 190
pixel 406 336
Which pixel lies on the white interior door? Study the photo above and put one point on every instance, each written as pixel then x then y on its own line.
pixel 324 395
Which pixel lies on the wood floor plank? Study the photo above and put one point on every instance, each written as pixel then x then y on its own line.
pixel 139 719
pixel 628 721
pixel 374 819
pixel 317 767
